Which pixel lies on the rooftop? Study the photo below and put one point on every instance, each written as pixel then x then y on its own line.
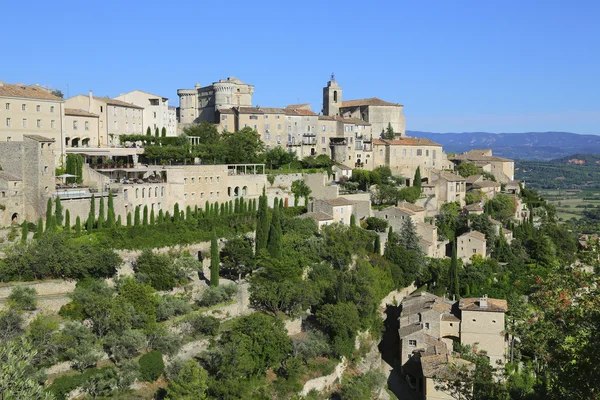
pixel 410 206
pixel 298 106
pixel 449 176
pixel 30 92
pixel 318 216
pixel 473 207
pixel 372 101
pixel 406 141
pixel 9 177
pixel 474 304
pixel 474 234
pixel 340 201
pixel 39 138
pixel 79 113
pixel 354 121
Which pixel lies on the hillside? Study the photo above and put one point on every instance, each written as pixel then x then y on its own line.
pixel 541 146
pixel 579 159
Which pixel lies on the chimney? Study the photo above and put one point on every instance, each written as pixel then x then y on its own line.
pixel 90 102
pixel 483 301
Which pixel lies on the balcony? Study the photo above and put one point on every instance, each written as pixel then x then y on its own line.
pixel 292 144
pixel 309 134
pixel 309 142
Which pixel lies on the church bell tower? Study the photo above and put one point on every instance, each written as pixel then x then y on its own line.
pixel 332 98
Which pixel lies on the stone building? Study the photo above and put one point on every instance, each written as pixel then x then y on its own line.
pixel 470 243
pixel 81 129
pixel 449 187
pixel 429 327
pixel 31 110
pixel 378 113
pixel 115 117
pixel 203 102
pixel 403 156
pixel 27 179
pixel 487 187
pixel 339 209
pixel 156 112
pixel 502 168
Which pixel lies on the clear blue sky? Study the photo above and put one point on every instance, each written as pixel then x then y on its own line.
pixel 508 66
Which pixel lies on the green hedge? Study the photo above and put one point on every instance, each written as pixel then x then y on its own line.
pixel 151 366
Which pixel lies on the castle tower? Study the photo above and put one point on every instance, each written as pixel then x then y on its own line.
pixel 332 98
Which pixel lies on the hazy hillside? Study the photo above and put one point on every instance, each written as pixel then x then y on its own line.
pixel 527 146
pixel 579 159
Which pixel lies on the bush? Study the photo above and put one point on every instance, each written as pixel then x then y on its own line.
pixel 62 386
pixel 218 294
pixel 204 325
pixel 22 298
pixel 151 366
pixel 11 325
pixel 315 344
pixel 170 306
pixel 125 345
pixel 376 224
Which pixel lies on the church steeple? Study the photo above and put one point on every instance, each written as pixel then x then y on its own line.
pixel 332 98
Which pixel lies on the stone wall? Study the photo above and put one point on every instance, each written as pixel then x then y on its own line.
pixel 398 295
pixel 326 382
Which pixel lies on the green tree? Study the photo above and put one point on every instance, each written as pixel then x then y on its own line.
pixel 158 268
pixel 24 232
pixel 238 257
pixel 164 132
pixel 189 384
pixel 352 220
pixel 49 213
pixel 129 218
pixel 58 212
pixel 145 217
pixel 262 223
pixel 16 378
pixel 454 274
pixel 156 132
pixel 124 345
pixel 151 366
pixel 101 214
pixel 467 169
pixel 300 189
pixel 417 180
pixel 152 219
pixel 341 322
pixel 215 262
pixel 78 225
pixel 377 245
pixel 137 220
pixel 40 228
pixel 23 298
pixel 110 217
pixel 92 214
pixel 389 132
pixel 275 235
pixel 67 221
pixel 148 132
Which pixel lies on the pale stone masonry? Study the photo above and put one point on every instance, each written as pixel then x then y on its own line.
pixel 449 187
pixel 429 327
pixel 156 112
pixel 470 243
pixel 81 128
pixel 339 209
pixel 30 110
pixel 502 168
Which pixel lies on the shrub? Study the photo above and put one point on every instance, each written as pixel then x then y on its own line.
pixel 151 366
pixel 202 325
pixel 377 224
pixel 11 325
pixel 315 344
pixel 167 344
pixel 170 306
pixel 22 298
pixel 62 386
pixel 125 345
pixel 218 294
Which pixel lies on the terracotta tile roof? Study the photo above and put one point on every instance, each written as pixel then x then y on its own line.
pixel 29 92
pixel 39 138
pixel 9 177
pixel 340 201
pixel 406 141
pixel 474 304
pixel 474 234
pixel 273 110
pixel 404 210
pixel 317 216
pixel 298 106
pixel 372 101
pixel 476 156
pixel 115 102
pixel 79 113
pixel 299 112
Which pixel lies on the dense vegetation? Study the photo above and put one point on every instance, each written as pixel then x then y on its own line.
pixel 547 175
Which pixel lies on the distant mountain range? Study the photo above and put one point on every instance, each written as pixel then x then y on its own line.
pixel 525 146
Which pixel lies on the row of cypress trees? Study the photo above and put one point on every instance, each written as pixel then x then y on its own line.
pixel 268 229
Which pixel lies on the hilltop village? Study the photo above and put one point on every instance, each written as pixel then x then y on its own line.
pixel 315 222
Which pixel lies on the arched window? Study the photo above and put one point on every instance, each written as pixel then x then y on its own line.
pixel 137 193
pixel 143 193
pixel 244 190
pixel 156 191
pixel 335 96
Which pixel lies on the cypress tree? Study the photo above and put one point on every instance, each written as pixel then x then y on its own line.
pixel 167 217
pixel 156 132
pixel 78 225
pixel 262 223
pixel 149 131
pixel 390 237
pixel 119 222
pixel 215 209
pixel 110 217
pixel 236 206
pixel 164 132
pixel 454 284
pixel 92 214
pixel 417 180
pixel 101 214
pixel 51 224
pixel 24 232
pixel 214 260
pixel 207 209
pixel 281 203
pixel 188 213
pixel 49 213
pixel 377 245
pixel 176 213
pixel 352 221
pixel 136 219
pixel 275 235
pixel 196 211
pixel 145 216
pixel 58 212
pixel 129 218
pixel 152 217
pixel 67 221
pixel 222 211
pixel 40 228
pixel 161 216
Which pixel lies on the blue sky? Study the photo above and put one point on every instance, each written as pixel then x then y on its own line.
pixel 510 66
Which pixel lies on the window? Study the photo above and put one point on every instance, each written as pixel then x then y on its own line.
pixel 39 123
pixel 474 251
pixel 8 139
pixel 7 121
pixel 323 140
pixel 266 116
pixel 185 181
pixel 74 125
pixel 101 109
pixel 380 152
pixel 52 124
pixel 24 122
pixel 426 325
pixel 254 117
pixel 211 195
pixel 493 321
pixel 218 194
pixel 323 128
pixel 185 196
pixel 223 117
pixel 404 153
pixel 267 126
pixel 38 108
pixel 218 179
pixel 278 126
pixel 419 152
pixel 426 153
pixel 211 179
pixel 23 107
pixel 225 127
pixel 8 106
pixel 51 109
pixel 412 343
pixel 193 180
pixel 277 117
pixel 474 320
pixel 154 114
pixel 87 125
pixel 201 195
